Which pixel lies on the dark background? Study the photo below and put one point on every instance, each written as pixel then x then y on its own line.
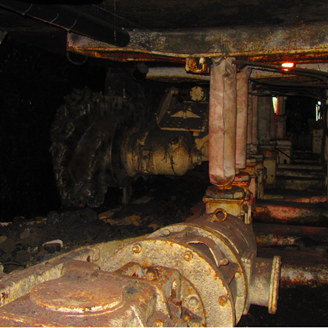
pixel 33 84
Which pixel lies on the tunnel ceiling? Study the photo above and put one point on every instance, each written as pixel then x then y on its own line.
pixel 163 14
pixel 179 15
pixel 214 13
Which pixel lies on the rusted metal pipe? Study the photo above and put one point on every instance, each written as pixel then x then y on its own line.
pixel 264 282
pixel 170 74
pixel 291 213
pixel 242 106
pixel 222 122
pixel 305 237
pixel 299 267
pixel 299 199
pixel 304 274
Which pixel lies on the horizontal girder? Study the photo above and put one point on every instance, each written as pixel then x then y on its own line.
pixel 303 43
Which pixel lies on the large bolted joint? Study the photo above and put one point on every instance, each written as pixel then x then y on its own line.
pixel 215 260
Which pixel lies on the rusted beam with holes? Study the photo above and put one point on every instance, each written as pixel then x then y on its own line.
pixel 301 43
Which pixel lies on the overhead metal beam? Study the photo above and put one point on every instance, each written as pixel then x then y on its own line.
pixel 303 43
pixel 179 74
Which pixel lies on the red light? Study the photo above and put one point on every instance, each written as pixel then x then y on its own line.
pixel 287 65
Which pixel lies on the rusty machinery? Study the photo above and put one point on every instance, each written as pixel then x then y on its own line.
pixel 204 272
pixel 97 141
pixel 101 140
pixel 201 273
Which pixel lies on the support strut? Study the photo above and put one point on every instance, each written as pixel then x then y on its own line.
pixel 222 123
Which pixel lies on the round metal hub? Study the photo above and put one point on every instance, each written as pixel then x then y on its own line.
pixel 80 294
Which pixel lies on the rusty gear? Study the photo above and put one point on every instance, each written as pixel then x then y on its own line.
pixel 86 139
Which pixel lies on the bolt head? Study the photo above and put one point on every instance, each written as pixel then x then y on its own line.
pixel 137 248
pixel 188 256
pixel 166 232
pixel 223 301
pixel 193 301
pixel 224 262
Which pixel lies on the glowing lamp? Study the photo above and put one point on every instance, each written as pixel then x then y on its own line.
pixel 286 66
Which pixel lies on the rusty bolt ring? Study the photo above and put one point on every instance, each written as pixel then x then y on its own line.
pixel 169 259
pixel 234 257
pixel 218 210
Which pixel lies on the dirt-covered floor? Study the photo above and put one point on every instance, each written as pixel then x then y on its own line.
pixel 154 203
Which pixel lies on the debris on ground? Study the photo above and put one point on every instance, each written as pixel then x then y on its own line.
pixel 26 242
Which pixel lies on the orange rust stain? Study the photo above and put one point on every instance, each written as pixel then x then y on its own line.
pixel 5 296
pixel 223 300
pixel 298 282
pixel 187 317
pixel 129 56
pixel 141 56
pixel 295 58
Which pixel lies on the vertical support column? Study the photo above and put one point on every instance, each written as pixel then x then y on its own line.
pixel 227 142
pixel 222 123
pixel 281 105
pixel 249 125
pixel 281 119
pixel 325 138
pixel 266 135
pixel 255 140
pixel 251 163
pixel 252 124
pixel 273 132
pixel 254 160
pixel 242 113
pixel 265 113
pixel 284 145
